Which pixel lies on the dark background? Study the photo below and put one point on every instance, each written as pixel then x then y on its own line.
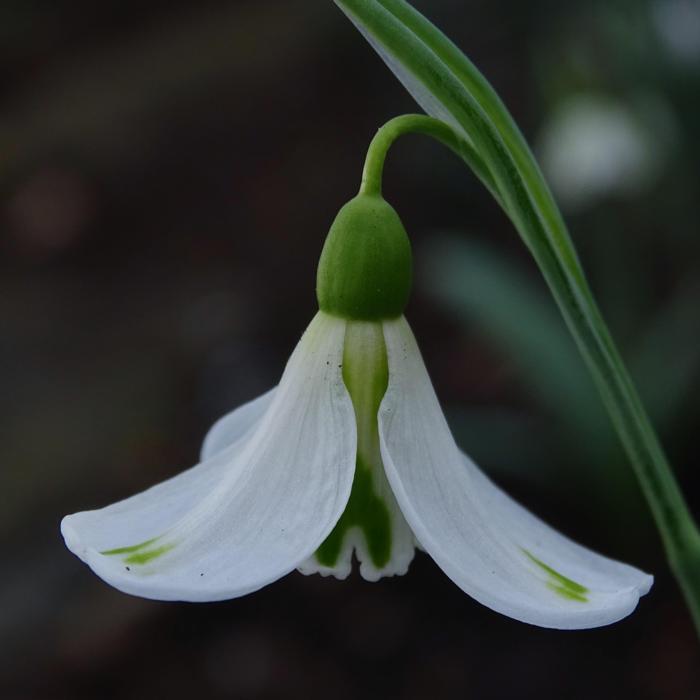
pixel 167 175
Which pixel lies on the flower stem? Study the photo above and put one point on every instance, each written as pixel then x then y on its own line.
pixel 678 530
pixel 419 124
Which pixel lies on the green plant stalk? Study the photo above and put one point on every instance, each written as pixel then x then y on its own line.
pixel 373 170
pixel 674 521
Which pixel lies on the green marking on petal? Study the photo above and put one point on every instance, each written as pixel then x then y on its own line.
pixel 560 584
pixel 139 553
pixel 128 550
pixel 149 555
pixel 567 592
pixel 367 511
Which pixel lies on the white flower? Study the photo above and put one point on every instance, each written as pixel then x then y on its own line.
pixel 593 147
pixel 350 453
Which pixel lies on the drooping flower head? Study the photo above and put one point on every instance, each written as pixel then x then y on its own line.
pixel 349 456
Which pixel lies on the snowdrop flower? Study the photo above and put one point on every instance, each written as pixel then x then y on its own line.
pixel 349 455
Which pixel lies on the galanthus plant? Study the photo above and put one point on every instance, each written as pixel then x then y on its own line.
pixel 350 454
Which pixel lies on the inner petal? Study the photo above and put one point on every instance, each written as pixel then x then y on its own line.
pixel 372 525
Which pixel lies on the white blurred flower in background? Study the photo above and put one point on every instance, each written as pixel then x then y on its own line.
pixel 594 146
pixel 677 23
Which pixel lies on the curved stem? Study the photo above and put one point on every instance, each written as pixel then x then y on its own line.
pixel 673 518
pixel 373 170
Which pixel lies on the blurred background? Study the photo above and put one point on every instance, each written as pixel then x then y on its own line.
pixel 168 172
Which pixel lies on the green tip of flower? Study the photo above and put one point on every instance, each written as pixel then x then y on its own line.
pixel 365 269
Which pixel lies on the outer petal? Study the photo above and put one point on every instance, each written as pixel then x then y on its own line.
pixel 231 427
pixel 262 505
pixel 491 547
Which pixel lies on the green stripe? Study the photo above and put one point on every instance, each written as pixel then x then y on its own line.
pixel 564 586
pixel 149 555
pixel 139 553
pixel 128 550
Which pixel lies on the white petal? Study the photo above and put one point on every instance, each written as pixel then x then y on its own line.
pixel 254 511
pixel 491 547
pixel 229 428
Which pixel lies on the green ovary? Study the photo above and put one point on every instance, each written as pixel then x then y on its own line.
pixel 366 375
pixel 365 268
